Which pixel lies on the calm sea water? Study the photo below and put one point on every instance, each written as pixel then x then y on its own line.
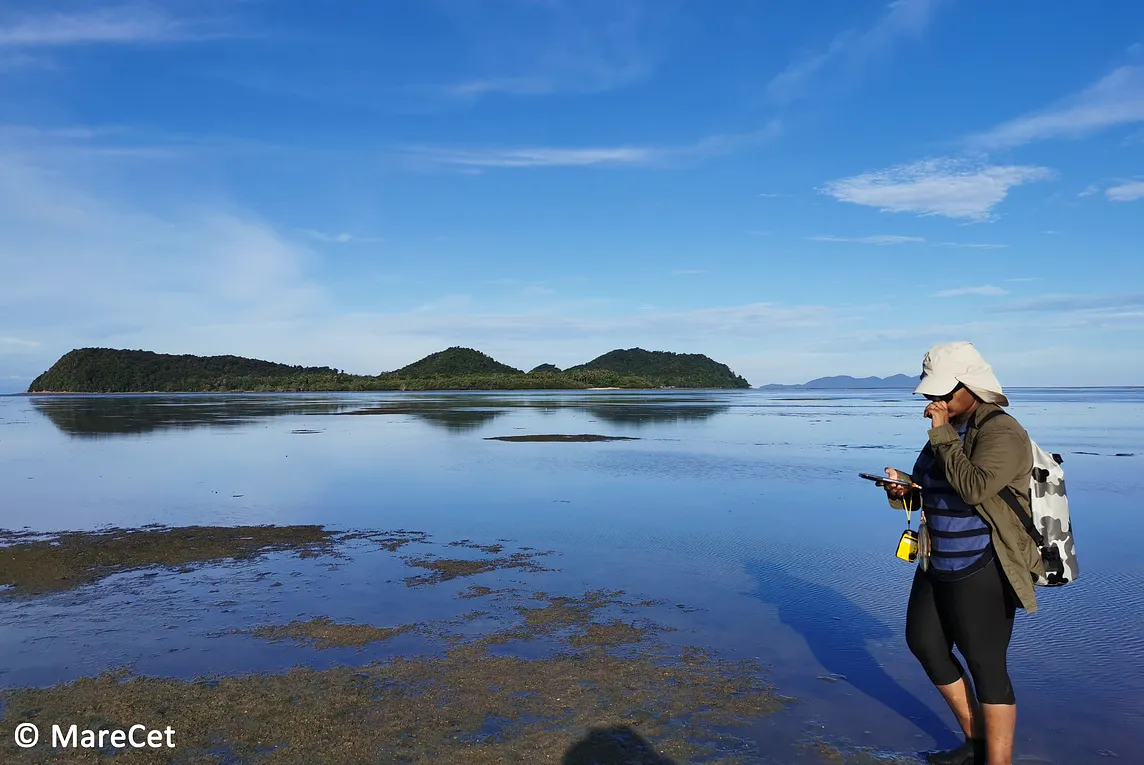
pixel 744 505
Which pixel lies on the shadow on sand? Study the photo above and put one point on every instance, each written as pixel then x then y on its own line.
pixel 837 631
pixel 617 745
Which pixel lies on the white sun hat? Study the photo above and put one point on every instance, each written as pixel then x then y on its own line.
pixel 948 364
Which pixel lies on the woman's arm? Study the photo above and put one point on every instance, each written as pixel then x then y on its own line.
pixel 1000 453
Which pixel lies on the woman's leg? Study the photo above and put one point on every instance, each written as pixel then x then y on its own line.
pixel 982 608
pixel 931 642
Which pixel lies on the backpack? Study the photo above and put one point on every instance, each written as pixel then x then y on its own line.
pixel 1048 523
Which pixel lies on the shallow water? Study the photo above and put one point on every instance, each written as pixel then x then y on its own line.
pixel 743 505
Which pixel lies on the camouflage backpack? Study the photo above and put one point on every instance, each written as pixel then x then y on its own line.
pixel 1048 523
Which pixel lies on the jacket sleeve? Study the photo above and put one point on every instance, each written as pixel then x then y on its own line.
pixel 999 455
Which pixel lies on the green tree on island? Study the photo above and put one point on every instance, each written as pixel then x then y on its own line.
pixel 107 370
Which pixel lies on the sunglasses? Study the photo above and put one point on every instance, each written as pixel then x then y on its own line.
pixel 948 396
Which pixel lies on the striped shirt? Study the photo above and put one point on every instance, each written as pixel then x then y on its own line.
pixel 960 539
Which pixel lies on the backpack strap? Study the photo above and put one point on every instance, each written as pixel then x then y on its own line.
pixel 1026 520
pixel 1010 498
pixel 992 415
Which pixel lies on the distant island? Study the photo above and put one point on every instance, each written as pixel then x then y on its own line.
pixel 840 382
pixel 108 370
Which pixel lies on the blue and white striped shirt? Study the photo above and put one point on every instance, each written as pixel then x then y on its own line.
pixel 960 541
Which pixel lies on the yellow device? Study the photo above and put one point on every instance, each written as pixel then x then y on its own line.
pixel 908 546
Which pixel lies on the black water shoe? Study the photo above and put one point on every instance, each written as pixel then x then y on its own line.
pixel 972 752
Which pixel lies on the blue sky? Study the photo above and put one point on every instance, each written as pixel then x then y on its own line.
pixel 793 188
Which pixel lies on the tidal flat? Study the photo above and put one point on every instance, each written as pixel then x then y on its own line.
pixel 277 582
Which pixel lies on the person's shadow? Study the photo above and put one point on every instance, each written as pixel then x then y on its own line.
pixel 836 632
pixel 617 745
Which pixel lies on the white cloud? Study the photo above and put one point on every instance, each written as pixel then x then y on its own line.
pixel 1126 192
pixel 19 341
pixel 851 50
pixel 135 23
pixel 975 245
pixel 987 290
pixel 1089 190
pixel 477 158
pixel 553 47
pixel 1072 303
pixel 947 187
pixel 538 156
pixel 340 238
pixel 882 239
pixel 1114 100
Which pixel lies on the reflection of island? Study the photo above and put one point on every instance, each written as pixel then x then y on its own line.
pixel 117 415
pixel 94 416
pixel 454 419
pixel 654 412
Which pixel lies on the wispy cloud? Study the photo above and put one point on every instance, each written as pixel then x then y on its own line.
pixel 883 239
pixel 987 290
pixel 1069 303
pixel 853 49
pixel 19 341
pixel 543 48
pixel 479 158
pixel 893 239
pixel 1114 100
pixel 530 289
pixel 535 156
pixel 133 23
pixel 975 245
pixel 1126 192
pixel 947 187
pixel 340 238
pixel 1089 191
pixel 773 196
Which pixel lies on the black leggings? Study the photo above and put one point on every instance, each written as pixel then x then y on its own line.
pixel 976 615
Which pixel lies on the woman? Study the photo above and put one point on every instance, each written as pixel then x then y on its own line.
pixel 981 561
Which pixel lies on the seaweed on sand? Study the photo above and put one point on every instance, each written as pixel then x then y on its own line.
pixel 464 704
pixel 74 558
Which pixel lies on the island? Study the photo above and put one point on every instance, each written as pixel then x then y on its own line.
pixel 846 382
pixel 109 370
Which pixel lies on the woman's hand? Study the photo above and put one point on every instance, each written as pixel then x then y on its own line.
pixel 938 412
pixel 893 490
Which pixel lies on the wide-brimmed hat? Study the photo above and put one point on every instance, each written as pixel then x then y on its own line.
pixel 948 364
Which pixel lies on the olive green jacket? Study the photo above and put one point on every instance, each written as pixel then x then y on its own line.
pixel 991 458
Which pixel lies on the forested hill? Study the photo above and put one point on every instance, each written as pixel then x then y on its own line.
pixel 107 370
pixel 676 370
pixel 455 361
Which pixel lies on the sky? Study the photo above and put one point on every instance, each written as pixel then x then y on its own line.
pixel 794 189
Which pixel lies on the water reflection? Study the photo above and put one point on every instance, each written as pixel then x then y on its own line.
pixel 112 415
pixel 655 413
pixel 454 419
pixel 86 416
